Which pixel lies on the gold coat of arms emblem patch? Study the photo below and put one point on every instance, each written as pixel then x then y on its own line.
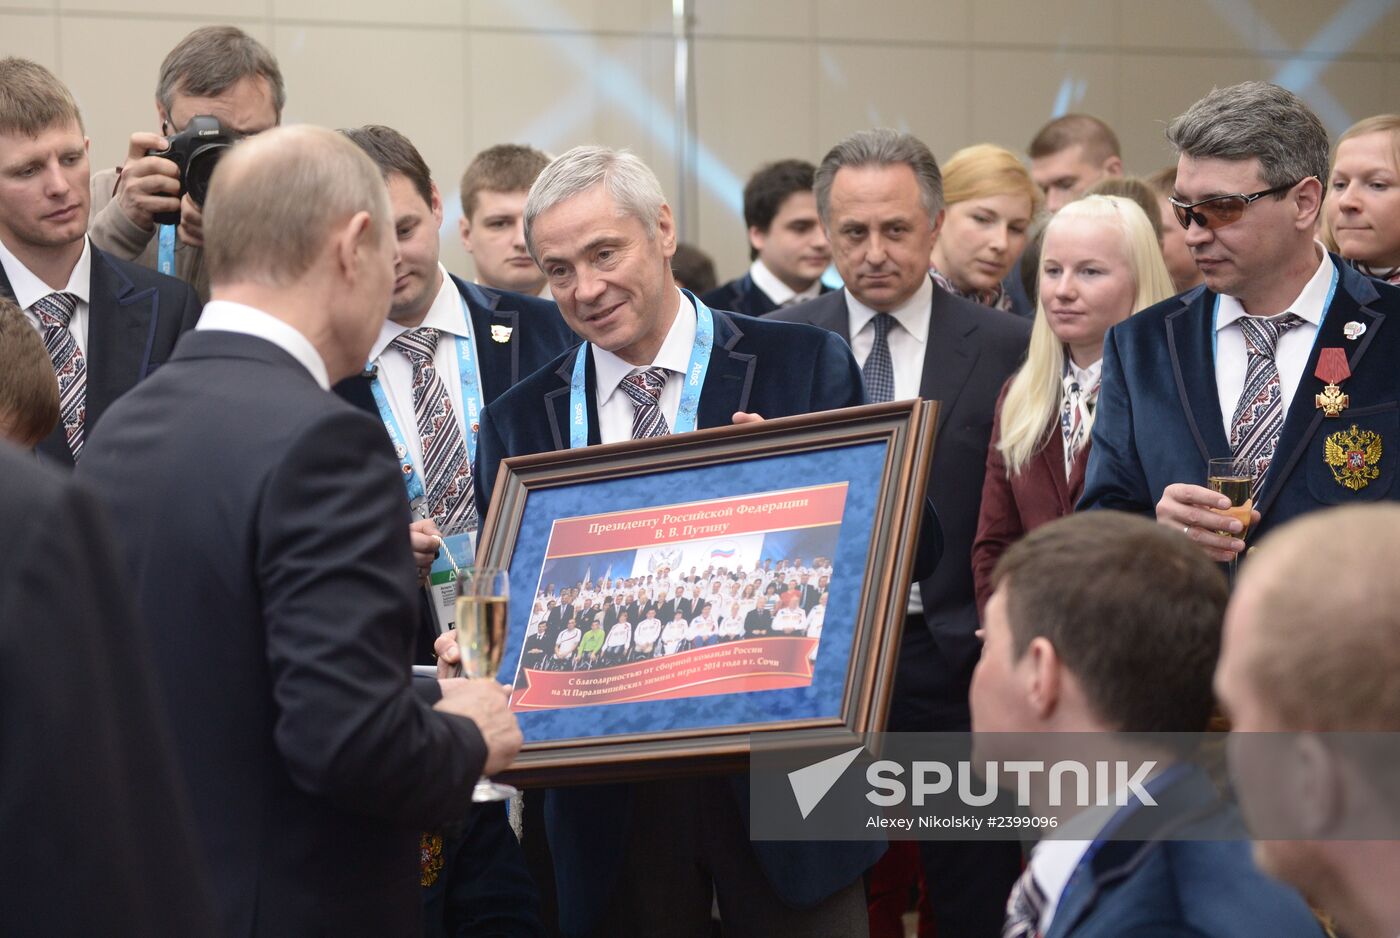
pixel 1354 456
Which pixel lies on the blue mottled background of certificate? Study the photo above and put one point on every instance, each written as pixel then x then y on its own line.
pixel 858 465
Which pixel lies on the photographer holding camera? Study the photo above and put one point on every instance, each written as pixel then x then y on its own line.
pixel 215 72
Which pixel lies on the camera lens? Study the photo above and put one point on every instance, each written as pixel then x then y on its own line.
pixel 201 169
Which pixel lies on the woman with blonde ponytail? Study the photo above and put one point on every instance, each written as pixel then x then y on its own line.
pixel 1099 264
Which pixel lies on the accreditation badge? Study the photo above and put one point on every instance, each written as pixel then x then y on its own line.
pixel 1354 456
pixel 458 554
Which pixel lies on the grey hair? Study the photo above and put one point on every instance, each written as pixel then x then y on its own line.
pixel 1255 119
pixel 881 147
pixel 630 182
pixel 213 59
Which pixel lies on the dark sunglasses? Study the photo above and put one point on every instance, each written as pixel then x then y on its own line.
pixel 1220 210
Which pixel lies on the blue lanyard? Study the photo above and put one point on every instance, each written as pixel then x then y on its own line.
pixel 1215 317
pixel 689 413
pixel 471 401
pixel 165 257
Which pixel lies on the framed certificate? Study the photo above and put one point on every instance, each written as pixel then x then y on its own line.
pixel 674 597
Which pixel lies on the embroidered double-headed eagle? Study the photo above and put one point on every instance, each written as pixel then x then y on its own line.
pixel 1354 457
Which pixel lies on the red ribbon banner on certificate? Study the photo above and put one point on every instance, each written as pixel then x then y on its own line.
pixel 737 667
pixel 627 530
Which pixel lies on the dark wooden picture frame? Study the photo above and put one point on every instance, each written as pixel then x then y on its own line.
pixel 906 430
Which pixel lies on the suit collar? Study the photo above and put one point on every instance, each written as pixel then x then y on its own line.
pixel 1353 301
pixel 495 332
pixel 1190 347
pixel 217 344
pixel 1190 801
pixel 949 354
pixel 727 388
pixel 27 289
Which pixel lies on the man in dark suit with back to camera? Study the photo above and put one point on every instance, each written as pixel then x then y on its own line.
pixel 266 539
pixel 97 829
pixel 1284 360
pixel 880 195
pixel 597 222
pixel 787 245
pixel 106 323
pixel 1133 655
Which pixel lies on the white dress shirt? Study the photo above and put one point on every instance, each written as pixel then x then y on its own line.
pixel 777 291
pixel 1086 376
pixel 1294 346
pixel 448 315
pixel 226 316
pixel 29 289
pixel 908 339
pixel 615 407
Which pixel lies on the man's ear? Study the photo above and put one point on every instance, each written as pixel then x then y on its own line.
pixel 1113 166
pixel 1308 198
pixel 666 231
pixel 351 241
pixel 757 238
pixel 1044 674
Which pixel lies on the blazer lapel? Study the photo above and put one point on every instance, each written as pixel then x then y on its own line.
pixel 729 380
pixel 1052 456
pixel 121 328
pixel 494 338
pixel 1190 334
pixel 1351 302
pixel 948 358
pixel 556 402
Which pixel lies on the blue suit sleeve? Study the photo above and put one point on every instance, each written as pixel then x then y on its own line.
pixel 837 382
pixel 1115 478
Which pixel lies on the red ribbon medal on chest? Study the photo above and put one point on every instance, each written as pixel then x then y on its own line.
pixel 1333 369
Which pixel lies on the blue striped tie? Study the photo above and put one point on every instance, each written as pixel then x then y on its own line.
pixel 55 312
pixel 644 388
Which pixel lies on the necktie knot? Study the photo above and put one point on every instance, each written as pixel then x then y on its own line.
pixel 1262 335
pixel 55 311
pixel 1024 908
pixel 878 370
pixel 882 322
pixel 418 344
pixel 645 387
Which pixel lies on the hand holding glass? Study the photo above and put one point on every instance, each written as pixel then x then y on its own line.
pixel 483 601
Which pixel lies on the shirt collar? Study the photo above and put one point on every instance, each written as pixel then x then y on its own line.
pixel 1308 306
pixel 447 315
pixel 227 316
pixel 29 289
pixel 674 354
pixel 913 314
pixel 777 291
pixel 1086 377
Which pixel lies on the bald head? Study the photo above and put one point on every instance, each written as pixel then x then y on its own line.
pixel 1310 640
pixel 277 199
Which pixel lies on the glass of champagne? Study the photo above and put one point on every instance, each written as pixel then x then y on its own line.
pixel 483 600
pixel 1232 478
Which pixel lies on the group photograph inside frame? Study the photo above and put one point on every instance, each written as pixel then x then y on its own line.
pixel 672 596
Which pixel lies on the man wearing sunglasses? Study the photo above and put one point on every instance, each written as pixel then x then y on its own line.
pixel 1241 366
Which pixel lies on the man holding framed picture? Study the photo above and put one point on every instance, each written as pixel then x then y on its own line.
pixel 656 361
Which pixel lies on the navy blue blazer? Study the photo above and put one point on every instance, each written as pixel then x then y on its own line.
pixel 265 537
pixel 134 317
pixel 744 296
pixel 970 353
pixel 1182 869
pixel 757 366
pixel 1158 419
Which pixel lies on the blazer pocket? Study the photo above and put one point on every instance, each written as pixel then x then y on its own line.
pixel 1352 459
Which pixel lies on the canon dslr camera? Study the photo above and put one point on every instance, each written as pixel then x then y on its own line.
pixel 196 151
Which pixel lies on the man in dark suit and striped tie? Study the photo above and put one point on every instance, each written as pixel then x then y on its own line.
pixel 106 323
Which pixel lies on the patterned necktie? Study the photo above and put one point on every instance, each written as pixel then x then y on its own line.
pixel 644 388
pixel 1024 908
pixel 878 369
pixel 1259 415
pixel 55 312
pixel 1076 417
pixel 448 473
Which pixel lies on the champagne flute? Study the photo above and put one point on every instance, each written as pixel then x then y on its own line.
pixel 1232 478
pixel 483 600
